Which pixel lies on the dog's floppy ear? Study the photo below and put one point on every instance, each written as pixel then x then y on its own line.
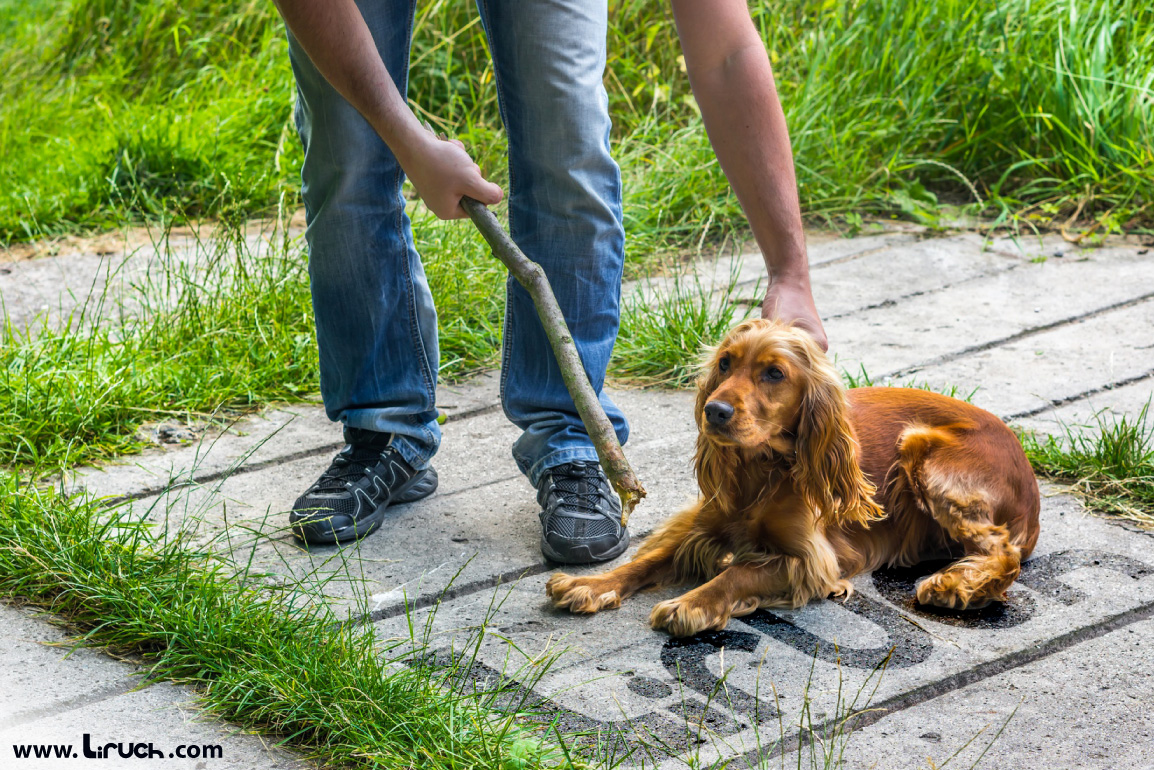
pixel 714 466
pixel 826 470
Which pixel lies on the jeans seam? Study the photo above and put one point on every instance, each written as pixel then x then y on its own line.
pixel 507 334
pixel 411 295
pixel 424 364
pixel 414 456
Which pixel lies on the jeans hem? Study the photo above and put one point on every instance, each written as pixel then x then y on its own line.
pixel 416 455
pixel 553 459
pixel 417 444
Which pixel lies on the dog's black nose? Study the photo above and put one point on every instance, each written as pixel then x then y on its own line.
pixel 718 412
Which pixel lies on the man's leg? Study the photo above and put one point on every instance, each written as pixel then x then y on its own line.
pixel 564 213
pixel 376 325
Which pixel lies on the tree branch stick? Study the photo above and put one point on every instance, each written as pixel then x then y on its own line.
pixel 530 275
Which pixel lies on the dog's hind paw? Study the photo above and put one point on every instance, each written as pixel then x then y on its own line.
pixel 946 591
pixel 584 595
pixel 843 590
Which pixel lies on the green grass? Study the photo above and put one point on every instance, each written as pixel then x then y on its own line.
pixel 271 659
pixel 237 335
pixel 226 333
pixel 114 111
pixel 666 326
pixel 862 379
pixel 1110 465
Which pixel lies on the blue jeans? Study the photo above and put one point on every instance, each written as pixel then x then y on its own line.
pixel 376 324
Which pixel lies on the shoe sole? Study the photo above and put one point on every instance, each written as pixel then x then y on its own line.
pixel 582 554
pixel 321 532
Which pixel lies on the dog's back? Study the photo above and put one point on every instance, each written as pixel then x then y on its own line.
pixel 951 477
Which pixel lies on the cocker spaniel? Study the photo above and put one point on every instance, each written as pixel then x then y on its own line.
pixel 804 485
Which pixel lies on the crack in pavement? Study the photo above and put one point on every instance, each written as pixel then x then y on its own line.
pixel 923 293
pixel 466 589
pixel 243 468
pixel 452 592
pixel 1057 402
pixel 1024 334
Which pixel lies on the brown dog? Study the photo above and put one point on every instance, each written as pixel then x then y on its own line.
pixel 804 486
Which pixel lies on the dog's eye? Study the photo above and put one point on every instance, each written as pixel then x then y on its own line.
pixel 773 374
pixel 723 364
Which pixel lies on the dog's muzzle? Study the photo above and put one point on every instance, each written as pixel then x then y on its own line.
pixel 718 413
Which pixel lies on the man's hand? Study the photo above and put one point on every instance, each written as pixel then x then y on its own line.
pixel 792 302
pixel 442 172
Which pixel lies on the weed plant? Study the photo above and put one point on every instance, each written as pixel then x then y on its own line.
pixel 1026 110
pixel 1109 463
pixel 667 324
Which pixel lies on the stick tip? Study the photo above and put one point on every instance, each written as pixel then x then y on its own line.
pixel 629 499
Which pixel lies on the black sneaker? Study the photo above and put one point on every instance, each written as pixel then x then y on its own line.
pixel 580 516
pixel 349 500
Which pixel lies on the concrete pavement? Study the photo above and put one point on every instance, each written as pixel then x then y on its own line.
pixel 1046 332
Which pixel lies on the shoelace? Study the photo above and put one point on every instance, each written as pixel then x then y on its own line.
pixel 568 478
pixel 344 467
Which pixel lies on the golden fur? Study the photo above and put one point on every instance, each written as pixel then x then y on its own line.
pixel 806 485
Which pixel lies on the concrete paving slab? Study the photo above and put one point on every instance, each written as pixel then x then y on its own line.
pixel 1085 577
pixel 899 340
pixel 1087 707
pixel 275 436
pixel 748 268
pixel 888 276
pixel 1024 377
pixel 859 274
pixel 1108 403
pixel 55 287
pixel 53 693
pixel 119 272
pixel 44 673
pixel 163 715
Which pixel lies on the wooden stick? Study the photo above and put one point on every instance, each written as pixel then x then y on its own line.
pixel 531 276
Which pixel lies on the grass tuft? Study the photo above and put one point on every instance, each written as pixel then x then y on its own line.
pixel 667 327
pixel 263 657
pixel 863 379
pixel 209 336
pixel 1110 464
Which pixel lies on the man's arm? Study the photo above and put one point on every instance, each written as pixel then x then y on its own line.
pixel 334 35
pixel 733 85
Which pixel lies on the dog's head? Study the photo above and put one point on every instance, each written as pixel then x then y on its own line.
pixel 768 388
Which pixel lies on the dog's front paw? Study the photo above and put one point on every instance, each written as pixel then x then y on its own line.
pixel 686 616
pixel 585 595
